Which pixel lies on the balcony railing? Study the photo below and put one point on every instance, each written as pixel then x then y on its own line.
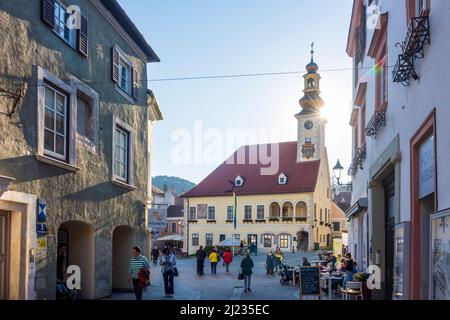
pixel 358 160
pixel 417 36
pixel 377 121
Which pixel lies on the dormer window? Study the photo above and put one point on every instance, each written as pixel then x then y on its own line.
pixel 239 181
pixel 282 179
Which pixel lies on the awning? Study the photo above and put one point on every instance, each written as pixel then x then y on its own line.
pixel 356 208
pixel 229 242
pixel 173 237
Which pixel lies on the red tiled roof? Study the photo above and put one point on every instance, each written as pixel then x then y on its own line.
pixel 302 177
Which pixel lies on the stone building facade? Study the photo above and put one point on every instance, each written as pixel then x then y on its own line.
pixel 75 128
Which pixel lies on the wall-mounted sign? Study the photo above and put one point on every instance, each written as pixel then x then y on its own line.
pixel 41 229
pixel 42 211
pixel 426 168
pixel 42 243
pixel 157 217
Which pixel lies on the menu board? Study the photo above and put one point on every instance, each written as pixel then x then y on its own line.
pixel 309 281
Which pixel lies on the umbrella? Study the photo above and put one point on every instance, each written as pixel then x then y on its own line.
pixel 174 237
pixel 229 242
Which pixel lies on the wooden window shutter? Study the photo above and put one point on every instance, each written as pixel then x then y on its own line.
pixel 115 65
pixel 83 37
pixel 48 12
pixel 135 76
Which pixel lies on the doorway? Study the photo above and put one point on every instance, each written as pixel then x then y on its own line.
pixel 303 239
pixel 4 254
pixel 76 246
pixel 389 233
pixel 252 240
pixel 124 239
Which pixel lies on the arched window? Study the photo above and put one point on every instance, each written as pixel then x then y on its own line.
pixel 311 84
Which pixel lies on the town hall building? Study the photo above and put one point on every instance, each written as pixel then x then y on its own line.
pixel 289 209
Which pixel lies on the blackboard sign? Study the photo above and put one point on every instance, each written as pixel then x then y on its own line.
pixel 309 281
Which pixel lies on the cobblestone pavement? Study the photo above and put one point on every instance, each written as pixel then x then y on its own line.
pixel 223 286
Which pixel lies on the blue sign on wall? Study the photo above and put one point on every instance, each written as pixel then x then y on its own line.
pixel 41 226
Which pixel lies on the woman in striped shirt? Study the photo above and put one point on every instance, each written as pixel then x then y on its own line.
pixel 136 264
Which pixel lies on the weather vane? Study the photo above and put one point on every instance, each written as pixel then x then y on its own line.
pixel 312 51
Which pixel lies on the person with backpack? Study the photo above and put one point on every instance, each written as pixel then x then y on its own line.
pixel 137 263
pixel 214 259
pixel 168 269
pixel 227 259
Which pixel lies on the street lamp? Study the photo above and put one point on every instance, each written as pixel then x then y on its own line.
pixel 337 171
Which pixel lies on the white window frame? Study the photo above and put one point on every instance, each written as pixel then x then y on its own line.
pixel 116 179
pixel 124 61
pixel 69 163
pixel 232 213
pixel 282 179
pixel 280 241
pixel 195 236
pixel 239 181
pixel 245 212
pixel 194 211
pixel 206 239
pixel 263 212
pixel 213 211
pixel 55 134
pixel 60 27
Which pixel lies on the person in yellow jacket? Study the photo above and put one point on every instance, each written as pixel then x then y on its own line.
pixel 214 259
pixel 278 258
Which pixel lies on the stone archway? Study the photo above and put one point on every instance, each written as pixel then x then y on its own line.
pixel 303 241
pixel 123 240
pixel 77 240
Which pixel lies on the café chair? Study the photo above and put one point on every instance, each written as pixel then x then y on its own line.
pixel 353 291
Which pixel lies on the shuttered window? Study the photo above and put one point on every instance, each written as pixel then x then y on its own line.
pixel 124 74
pixel 56 16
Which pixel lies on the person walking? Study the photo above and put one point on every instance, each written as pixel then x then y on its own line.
pixel 137 263
pixel 201 256
pixel 305 262
pixel 214 259
pixel 227 259
pixel 241 248
pixel 270 262
pixel 155 256
pixel 278 258
pixel 246 267
pixel 168 263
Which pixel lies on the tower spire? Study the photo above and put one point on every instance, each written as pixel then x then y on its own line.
pixel 312 51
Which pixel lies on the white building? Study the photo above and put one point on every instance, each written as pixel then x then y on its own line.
pixel 401 145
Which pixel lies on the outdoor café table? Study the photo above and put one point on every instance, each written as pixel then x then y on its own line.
pixel 330 282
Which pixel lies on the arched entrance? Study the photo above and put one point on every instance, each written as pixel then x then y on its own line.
pixel 124 239
pixel 77 239
pixel 303 241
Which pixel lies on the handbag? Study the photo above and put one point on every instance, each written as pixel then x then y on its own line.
pixel 175 272
pixel 240 275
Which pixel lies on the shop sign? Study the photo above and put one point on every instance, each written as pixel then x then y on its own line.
pixel 426 168
pixel 157 217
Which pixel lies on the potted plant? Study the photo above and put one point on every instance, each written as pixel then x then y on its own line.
pixel 362 277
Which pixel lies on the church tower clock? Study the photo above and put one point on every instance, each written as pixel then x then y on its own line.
pixel 311 127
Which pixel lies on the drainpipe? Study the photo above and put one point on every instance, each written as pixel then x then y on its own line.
pixel 187 227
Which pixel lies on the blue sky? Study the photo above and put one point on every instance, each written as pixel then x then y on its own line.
pixel 212 37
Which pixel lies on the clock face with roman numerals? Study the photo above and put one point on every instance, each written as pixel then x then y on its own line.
pixel 309 125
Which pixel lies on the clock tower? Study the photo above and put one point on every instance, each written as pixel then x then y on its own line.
pixel 311 127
